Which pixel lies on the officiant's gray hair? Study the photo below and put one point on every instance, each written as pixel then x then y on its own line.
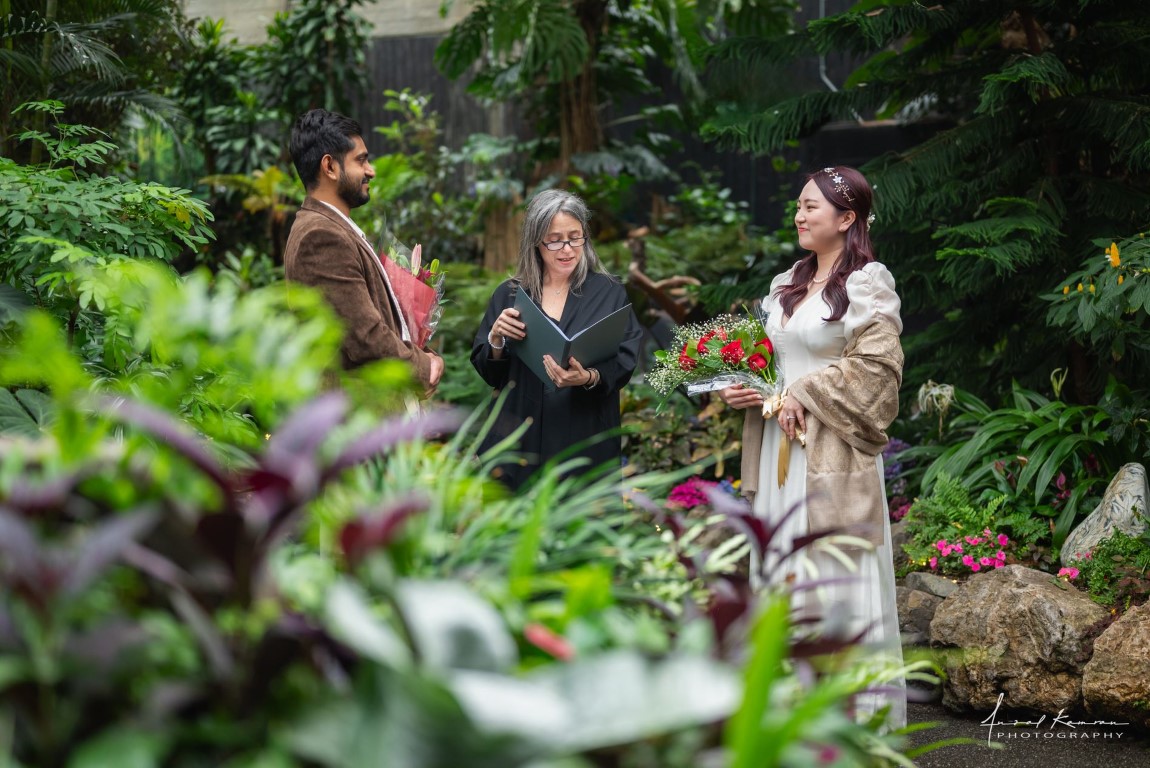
pixel 544 207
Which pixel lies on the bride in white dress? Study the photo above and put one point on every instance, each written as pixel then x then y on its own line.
pixel 833 318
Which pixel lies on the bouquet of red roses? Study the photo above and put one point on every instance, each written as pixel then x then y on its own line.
pixel 717 354
pixel 418 288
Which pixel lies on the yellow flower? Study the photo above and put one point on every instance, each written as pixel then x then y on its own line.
pixel 1080 287
pixel 1092 287
pixel 1121 279
pixel 1066 289
pixel 1112 252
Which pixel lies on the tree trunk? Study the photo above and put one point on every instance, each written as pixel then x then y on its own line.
pixel 46 73
pixel 501 231
pixel 580 129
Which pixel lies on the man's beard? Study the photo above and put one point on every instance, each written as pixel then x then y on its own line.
pixel 352 193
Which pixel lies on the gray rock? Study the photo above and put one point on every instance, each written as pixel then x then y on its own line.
pixel 898 537
pixel 1018 632
pixel 901 594
pixel 915 611
pixel 921 607
pixel 930 582
pixel 915 638
pixel 1116 680
pixel 1123 508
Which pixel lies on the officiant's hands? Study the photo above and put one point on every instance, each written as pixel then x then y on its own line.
pixel 740 396
pixel 509 326
pixel 574 376
pixel 506 326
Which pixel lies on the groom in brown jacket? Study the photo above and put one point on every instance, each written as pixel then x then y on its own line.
pixel 327 250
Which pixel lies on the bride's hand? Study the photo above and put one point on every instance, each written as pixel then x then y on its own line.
pixel 739 396
pixel 792 417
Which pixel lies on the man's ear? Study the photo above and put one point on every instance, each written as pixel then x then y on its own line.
pixel 329 167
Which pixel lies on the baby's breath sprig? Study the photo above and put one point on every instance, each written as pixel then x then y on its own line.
pixel 711 351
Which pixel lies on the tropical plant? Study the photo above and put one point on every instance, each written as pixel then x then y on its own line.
pixel 423 192
pixel 212 78
pixel 681 435
pixel 105 59
pixel 1038 149
pixel 587 55
pixel 1044 437
pixel 331 40
pixel 63 223
pixel 269 194
pixel 1106 305
pixel 1116 573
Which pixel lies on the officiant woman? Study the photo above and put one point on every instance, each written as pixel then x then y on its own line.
pixel 575 412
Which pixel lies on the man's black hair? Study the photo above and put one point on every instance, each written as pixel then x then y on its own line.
pixel 317 133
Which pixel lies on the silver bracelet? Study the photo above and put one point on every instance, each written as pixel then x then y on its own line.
pixel 492 343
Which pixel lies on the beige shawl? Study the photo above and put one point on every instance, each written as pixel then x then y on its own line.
pixel 849 406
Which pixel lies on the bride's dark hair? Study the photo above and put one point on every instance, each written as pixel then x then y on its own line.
pixel 852 194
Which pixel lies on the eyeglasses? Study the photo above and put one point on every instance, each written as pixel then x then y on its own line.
pixel 557 245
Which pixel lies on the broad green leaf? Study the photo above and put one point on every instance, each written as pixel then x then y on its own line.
pixel 15 419
pixel 453 628
pixel 123 748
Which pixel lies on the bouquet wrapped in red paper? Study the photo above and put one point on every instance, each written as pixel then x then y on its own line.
pixel 418 289
pixel 717 354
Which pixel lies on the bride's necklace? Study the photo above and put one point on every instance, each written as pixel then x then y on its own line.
pixel 821 280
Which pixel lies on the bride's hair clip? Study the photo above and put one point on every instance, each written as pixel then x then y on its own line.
pixel 840 185
pixel 869 220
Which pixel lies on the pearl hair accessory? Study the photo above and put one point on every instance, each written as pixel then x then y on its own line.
pixel 840 185
pixel 869 220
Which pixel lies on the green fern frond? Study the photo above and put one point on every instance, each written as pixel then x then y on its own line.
pixel 858 31
pixel 1038 77
pixel 770 129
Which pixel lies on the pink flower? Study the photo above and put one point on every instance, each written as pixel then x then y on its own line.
pixel 1068 573
pixel 548 642
pixel 957 548
pixel 968 560
pixel 941 546
pixel 985 560
pixel 975 567
pixel 999 563
pixel 933 563
pixel 1000 555
pixel 1003 540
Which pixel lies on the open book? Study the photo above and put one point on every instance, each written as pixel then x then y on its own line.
pixel 590 346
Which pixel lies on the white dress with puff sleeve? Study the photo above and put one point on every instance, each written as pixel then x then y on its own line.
pixel 805 343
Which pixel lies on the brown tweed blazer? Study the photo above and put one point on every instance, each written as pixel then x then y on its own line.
pixel 323 251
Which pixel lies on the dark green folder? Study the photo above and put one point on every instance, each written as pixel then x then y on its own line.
pixel 590 346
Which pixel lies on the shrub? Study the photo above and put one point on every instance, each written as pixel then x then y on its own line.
pixel 1115 572
pixel 950 516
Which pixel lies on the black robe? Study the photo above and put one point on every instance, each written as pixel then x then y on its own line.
pixel 563 417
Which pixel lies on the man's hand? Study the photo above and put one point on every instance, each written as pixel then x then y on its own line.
pixel 436 371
